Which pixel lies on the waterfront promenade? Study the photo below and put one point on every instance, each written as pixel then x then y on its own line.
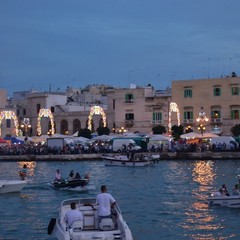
pixel 206 155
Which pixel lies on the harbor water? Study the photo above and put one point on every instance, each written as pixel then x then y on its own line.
pixel 164 201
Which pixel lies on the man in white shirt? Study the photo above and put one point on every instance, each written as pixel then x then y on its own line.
pixel 105 202
pixel 73 215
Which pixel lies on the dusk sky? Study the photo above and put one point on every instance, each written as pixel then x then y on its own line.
pixel 117 42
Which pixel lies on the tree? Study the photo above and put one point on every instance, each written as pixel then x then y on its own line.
pixel 159 129
pixel 177 131
pixel 85 132
pixel 103 131
pixel 235 130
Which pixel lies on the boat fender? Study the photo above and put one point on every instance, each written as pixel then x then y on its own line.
pixel 51 225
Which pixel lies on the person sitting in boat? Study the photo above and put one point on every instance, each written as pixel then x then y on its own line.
pixel 77 176
pixel 23 172
pixel 72 215
pixel 87 176
pixel 58 175
pixel 236 190
pixel 223 190
pixel 71 175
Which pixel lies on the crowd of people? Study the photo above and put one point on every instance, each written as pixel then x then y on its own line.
pixel 105 147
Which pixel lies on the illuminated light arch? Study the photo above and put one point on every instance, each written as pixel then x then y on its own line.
pixel 9 115
pixel 45 112
pixel 173 108
pixel 97 110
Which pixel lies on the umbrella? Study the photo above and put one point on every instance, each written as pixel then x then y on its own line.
pixel 208 135
pixel 190 135
pixel 159 137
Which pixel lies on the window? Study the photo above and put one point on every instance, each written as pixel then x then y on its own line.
pixel 114 104
pixel 235 90
pixel 129 116
pixel 235 114
pixel 24 111
pixel 217 91
pixel 216 114
pixel 52 109
pixel 188 116
pixel 157 118
pixel 128 98
pixel 188 93
pixel 38 107
pixel 8 123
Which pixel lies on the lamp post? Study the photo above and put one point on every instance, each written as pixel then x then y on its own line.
pixel 201 128
pixel 202 117
pixel 25 126
pixel 122 130
pixel 188 129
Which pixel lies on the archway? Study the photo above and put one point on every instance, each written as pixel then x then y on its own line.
pixel 9 115
pixel 45 112
pixel 76 125
pixel 173 107
pixel 98 111
pixel 64 127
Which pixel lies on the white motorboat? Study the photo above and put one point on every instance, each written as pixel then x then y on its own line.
pixel 138 160
pixel 108 229
pixel 8 186
pixel 218 199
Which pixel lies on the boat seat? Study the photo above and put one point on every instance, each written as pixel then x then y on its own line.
pixel 77 226
pixel 106 224
pixel 90 218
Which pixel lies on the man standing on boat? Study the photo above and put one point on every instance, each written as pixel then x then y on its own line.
pixel 105 203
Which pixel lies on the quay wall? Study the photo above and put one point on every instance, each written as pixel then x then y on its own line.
pixel 207 155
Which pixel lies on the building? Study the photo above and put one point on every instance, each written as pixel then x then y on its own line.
pixel 139 109
pixel 214 102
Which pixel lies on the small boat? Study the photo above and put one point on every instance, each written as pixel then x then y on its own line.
pixel 111 228
pixel 137 160
pixel 9 186
pixel 64 183
pixel 218 199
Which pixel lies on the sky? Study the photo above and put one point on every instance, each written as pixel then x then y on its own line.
pixel 52 44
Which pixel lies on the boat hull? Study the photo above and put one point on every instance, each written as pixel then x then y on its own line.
pixel 70 184
pixel 90 227
pixel 114 162
pixel 9 186
pixel 232 201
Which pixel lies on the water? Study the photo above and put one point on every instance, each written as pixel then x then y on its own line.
pixel 165 201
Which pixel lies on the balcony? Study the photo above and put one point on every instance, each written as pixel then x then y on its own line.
pixel 216 120
pixel 129 123
pixel 187 121
pixel 129 100
pixel 156 122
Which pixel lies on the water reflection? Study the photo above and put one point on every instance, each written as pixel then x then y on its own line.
pixel 31 166
pixel 200 218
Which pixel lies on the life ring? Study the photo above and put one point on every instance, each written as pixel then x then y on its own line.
pixel 51 225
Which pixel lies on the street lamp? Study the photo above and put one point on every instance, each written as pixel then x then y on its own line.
pixel 122 130
pixel 201 128
pixel 26 125
pixel 188 129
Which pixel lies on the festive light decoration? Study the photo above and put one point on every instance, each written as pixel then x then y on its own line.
pixel 44 112
pixel 173 108
pixel 9 115
pixel 98 111
pixel 202 117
